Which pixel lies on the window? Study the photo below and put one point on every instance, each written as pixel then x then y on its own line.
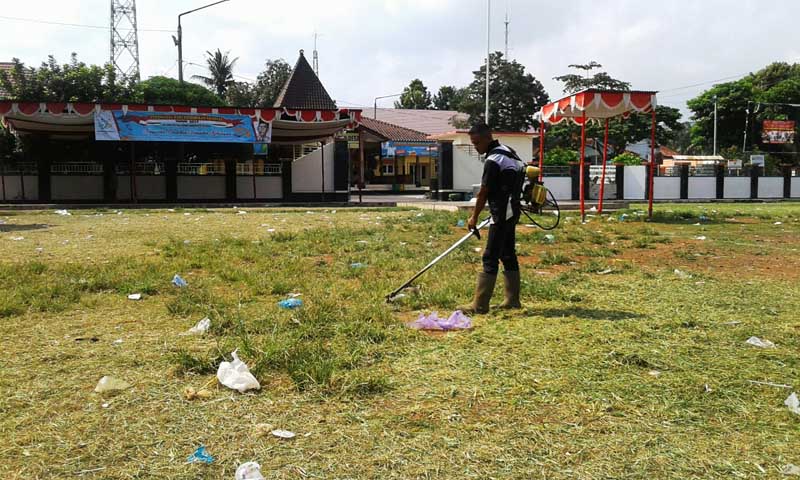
pixel 388 170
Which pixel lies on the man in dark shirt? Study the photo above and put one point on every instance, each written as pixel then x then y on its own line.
pixel 501 185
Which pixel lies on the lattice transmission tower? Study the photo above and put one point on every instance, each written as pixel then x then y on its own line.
pixel 124 39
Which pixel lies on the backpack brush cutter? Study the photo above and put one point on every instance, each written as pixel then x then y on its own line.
pixel 538 205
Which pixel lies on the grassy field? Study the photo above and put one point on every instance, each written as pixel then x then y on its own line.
pixel 628 361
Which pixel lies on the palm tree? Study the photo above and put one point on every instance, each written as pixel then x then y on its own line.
pixel 220 69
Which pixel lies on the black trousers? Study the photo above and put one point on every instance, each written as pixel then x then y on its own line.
pixel 501 247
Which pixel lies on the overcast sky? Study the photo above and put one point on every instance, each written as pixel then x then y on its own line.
pixel 370 48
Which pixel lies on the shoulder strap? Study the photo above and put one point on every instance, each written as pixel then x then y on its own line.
pixel 502 151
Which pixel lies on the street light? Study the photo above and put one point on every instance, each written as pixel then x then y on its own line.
pixel 715 124
pixel 375 105
pixel 488 54
pixel 179 40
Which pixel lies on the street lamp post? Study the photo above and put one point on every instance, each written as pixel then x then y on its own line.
pixel 179 40
pixel 375 104
pixel 488 54
pixel 715 125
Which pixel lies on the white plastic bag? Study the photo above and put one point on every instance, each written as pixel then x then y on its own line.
pixel 757 342
pixel 235 375
pixel 111 384
pixel 793 403
pixel 201 327
pixel 249 471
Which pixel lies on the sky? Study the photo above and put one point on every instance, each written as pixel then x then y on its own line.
pixel 370 48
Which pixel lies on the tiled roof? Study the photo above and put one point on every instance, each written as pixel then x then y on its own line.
pixel 393 133
pixel 430 122
pixel 668 152
pixel 303 90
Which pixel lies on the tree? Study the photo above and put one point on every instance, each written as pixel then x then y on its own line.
pixel 270 82
pixel 574 82
pixel 764 94
pixel 448 98
pixel 515 96
pixel 415 96
pixel 242 94
pixel 164 90
pixel 220 70
pixel 71 82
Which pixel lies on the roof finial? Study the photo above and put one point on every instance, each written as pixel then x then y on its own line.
pixel 301 52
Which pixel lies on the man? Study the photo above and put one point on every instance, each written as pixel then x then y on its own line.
pixel 501 185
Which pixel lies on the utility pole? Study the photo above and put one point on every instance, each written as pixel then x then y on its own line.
pixel 316 56
pixel 507 22
pixel 715 124
pixel 375 104
pixel 124 39
pixel 179 40
pixel 488 54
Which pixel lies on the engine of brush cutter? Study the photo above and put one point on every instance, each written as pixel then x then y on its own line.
pixel 534 194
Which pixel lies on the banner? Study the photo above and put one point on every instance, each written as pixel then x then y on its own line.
pixel 392 149
pixel 778 131
pixel 173 127
pixel 263 137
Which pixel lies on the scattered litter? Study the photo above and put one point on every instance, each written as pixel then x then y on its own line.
pixel 770 384
pixel 200 456
pixel 701 237
pixel 790 469
pixel 91 339
pixel 706 388
pixel 733 323
pixel 135 296
pixel 593 209
pixel 235 375
pixel 249 471
pixel 420 215
pixel 187 242
pixel 118 341
pixel 549 238
pixel 294 295
pixel 284 434
pixel 606 272
pixel 703 218
pixel 16 239
pixel 778 223
pixel 460 224
pixel 111 384
pixel 106 405
pixel 623 217
pixel 290 303
pixel 456 321
pixel 654 373
pixel 682 274
pixel 200 328
pixel 357 265
pixel 271 230
pixel 39 249
pixel 242 212
pixel 793 403
pixel 397 297
pixel 63 213
pixel 757 342
pixel 333 211
pixel 362 242
pixel 478 249
pixel 179 282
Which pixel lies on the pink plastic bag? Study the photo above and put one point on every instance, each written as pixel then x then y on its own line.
pixel 456 321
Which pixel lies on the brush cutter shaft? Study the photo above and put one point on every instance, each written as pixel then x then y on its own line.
pixel 436 260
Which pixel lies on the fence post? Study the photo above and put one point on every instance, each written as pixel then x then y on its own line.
pixel 647 173
pixel 787 181
pixel 720 172
pixel 574 173
pixel 684 169
pixel 755 171
pixel 586 184
pixel 620 180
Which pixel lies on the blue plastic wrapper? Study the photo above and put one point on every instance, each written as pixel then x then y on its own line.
pixel 200 456
pixel 179 282
pixel 357 265
pixel 290 303
pixel 460 224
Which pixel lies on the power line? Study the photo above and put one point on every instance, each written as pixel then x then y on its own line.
pixel 78 25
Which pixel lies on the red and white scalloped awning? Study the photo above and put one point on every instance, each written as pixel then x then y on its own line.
pixel 77 119
pixel 597 104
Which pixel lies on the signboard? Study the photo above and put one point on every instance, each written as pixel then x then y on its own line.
pixel 757 160
pixel 734 164
pixel 392 149
pixel 778 131
pixel 173 127
pixel 263 137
